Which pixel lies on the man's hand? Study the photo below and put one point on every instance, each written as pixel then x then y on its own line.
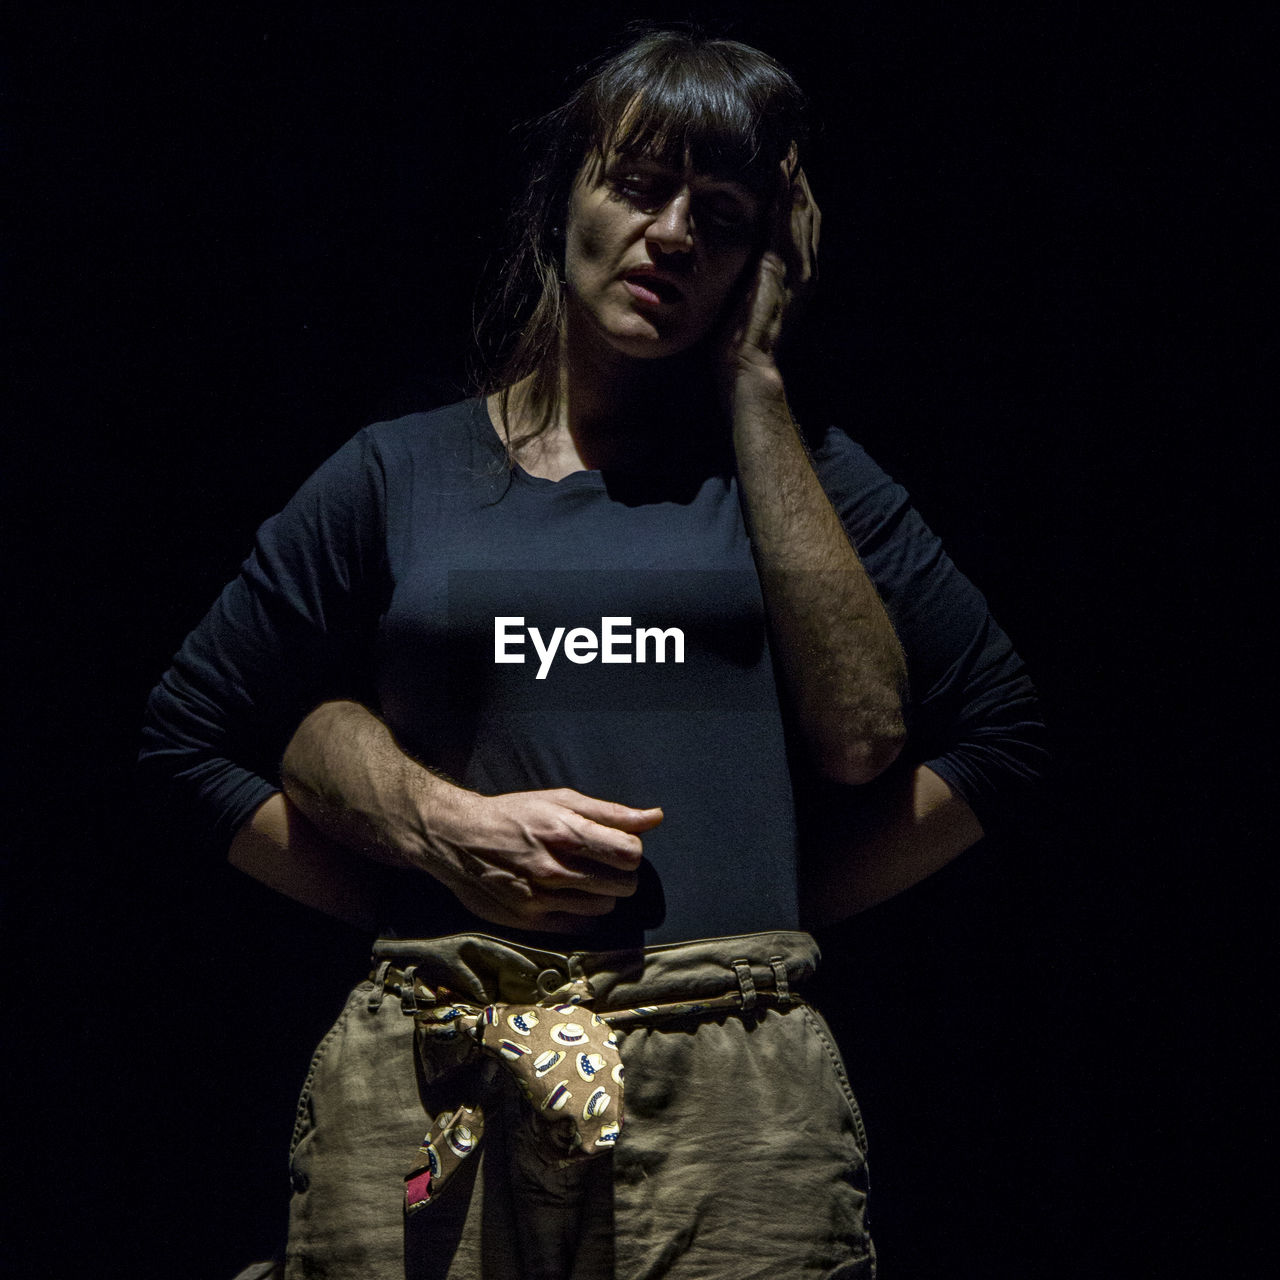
pixel 544 860
pixel 784 276
pixel 535 859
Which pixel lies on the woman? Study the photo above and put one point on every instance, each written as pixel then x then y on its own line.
pixel 488 634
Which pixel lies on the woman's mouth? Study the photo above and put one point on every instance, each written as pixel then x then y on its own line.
pixel 652 290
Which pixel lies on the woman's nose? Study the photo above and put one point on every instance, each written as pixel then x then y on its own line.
pixel 672 226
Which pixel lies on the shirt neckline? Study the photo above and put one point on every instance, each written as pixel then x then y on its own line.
pixel 583 479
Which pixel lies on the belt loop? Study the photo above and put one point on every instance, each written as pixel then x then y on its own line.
pixel 408 997
pixel 746 984
pixel 379 986
pixel 780 984
pixel 581 989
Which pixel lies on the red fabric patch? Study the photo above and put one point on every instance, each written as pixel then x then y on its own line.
pixel 417 1189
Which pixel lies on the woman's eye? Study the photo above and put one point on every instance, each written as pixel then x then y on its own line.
pixel 729 217
pixel 637 188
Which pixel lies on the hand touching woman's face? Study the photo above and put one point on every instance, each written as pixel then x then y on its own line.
pixel 653 253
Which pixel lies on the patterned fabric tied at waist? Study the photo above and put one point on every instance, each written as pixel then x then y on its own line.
pixel 563 1056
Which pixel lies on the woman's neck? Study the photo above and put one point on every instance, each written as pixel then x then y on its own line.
pixel 619 414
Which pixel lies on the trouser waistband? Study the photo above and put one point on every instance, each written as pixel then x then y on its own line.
pixel 484 969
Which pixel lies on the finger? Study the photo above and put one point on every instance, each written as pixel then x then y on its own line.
pixel 815 214
pixel 805 219
pixel 570 902
pixel 793 223
pixel 784 211
pixel 608 814
pixel 603 845
pixel 584 875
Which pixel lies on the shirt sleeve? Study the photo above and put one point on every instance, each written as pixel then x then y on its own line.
pixel 973 716
pixel 293 629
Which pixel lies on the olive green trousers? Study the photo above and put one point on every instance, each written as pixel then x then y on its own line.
pixel 742 1154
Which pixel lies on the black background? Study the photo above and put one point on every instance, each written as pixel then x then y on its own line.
pixel 242 232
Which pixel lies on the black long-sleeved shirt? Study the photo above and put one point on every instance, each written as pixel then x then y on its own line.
pixel 386 576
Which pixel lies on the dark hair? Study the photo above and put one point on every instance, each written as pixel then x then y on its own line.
pixel 670 94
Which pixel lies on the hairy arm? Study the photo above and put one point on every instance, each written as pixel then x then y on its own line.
pixel 841 662
pixel 532 859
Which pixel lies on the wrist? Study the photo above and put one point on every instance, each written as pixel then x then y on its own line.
pixel 437 815
pixel 754 372
pixel 754 392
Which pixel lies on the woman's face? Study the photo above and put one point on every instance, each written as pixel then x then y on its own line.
pixel 652 253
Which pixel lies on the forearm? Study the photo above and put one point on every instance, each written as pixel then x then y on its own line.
pixel 535 859
pixel 841 662
pixel 345 771
pixel 854 860
pixel 280 848
pixel 344 817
